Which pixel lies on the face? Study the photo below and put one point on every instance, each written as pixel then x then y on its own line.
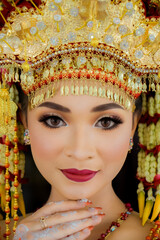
pixel 83 133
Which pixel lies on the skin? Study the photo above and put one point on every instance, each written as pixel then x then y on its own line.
pixel 81 142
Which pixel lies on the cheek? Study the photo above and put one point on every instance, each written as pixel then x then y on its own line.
pixel 46 145
pixel 113 149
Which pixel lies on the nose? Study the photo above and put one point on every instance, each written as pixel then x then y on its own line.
pixel 80 144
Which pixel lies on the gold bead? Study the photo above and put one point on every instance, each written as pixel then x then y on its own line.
pixel 94 42
pixel 25 66
pixel 159 74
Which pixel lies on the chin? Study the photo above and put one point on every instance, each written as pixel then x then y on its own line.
pixel 74 193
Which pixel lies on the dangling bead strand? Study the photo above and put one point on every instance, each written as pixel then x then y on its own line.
pixel 119 221
pixel 7 188
pixel 155 231
pixel 16 161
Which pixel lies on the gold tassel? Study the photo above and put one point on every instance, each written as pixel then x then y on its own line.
pixel 141 203
pixel 148 208
pixel 147 211
pixel 156 209
pixel 2 195
pixel 21 204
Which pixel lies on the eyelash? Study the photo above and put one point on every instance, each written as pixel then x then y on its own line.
pixel 114 121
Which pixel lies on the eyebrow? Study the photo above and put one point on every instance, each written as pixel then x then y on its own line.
pixel 99 108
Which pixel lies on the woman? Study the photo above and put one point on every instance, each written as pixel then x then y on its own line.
pixel 80 133
pixel 81 114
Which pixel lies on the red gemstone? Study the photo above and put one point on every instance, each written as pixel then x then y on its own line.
pixel 103 235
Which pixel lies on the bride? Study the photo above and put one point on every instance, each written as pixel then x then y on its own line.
pixel 80 69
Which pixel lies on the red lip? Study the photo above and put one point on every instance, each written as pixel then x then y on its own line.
pixel 79 175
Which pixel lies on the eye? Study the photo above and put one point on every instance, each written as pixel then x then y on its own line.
pixel 52 121
pixel 108 123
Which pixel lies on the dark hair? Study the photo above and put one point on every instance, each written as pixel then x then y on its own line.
pixel 138 105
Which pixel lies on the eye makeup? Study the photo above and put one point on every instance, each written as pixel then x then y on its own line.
pixel 108 122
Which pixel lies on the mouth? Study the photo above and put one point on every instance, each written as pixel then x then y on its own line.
pixel 79 175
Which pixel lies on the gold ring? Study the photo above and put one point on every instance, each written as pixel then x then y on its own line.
pixel 43 223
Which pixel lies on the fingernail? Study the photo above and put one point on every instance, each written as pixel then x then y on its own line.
pixel 94 209
pixel 102 214
pixel 90 228
pixel 85 201
pixel 98 208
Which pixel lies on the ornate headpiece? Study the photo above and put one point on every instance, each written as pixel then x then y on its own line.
pixel 106 48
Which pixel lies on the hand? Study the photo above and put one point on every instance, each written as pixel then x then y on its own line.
pixel 65 220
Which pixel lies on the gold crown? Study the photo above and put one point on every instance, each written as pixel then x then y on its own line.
pixel 111 41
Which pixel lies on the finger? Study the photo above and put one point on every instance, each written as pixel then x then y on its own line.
pixel 60 206
pixel 63 217
pixel 83 234
pixel 63 230
pixel 69 216
pixel 20 232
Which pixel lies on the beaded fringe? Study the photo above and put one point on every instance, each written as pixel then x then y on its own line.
pixel 80 88
pixel 148 171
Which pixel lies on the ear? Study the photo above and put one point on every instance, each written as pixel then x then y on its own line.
pixel 22 116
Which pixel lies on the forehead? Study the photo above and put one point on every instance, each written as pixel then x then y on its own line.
pixel 84 93
pixel 79 104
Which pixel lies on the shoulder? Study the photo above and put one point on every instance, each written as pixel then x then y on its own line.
pixel 132 229
pixel 135 229
pixel 3 227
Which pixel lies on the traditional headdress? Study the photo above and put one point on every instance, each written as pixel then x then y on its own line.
pixel 105 48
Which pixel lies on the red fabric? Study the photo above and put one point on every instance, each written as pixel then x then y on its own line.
pixel 152 8
pixel 155 150
pixel 148 185
pixel 148 119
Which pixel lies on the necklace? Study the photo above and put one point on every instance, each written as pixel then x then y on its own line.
pixel 119 221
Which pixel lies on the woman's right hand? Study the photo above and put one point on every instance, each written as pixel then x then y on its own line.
pixel 65 220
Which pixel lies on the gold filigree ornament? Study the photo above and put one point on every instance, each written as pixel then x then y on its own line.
pixel 113 43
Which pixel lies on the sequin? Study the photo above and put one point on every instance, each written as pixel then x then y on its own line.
pixel 90 90
pixel 54 41
pixel 130 13
pixel 33 30
pixel 66 90
pixel 152 37
pixel 138 54
pixel 91 36
pixel 2 35
pixel 138 80
pixel 41 25
pixel 72 36
pixel 66 61
pixel 123 29
pixel 77 90
pixel 129 5
pixel 90 24
pixel 116 20
pixel 54 63
pixel 108 39
pixel 57 17
pixel 124 45
pixel 58 1
pixel 81 60
pixel 74 11
pixel 140 31
pixel 52 7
